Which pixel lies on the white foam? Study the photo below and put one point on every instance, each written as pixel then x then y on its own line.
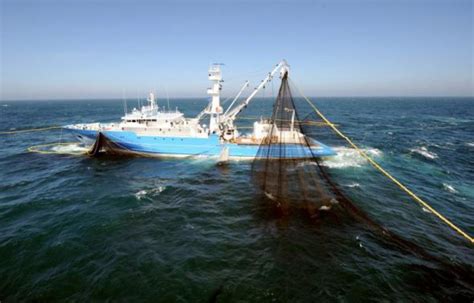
pixel 423 151
pixel 449 188
pixel 160 189
pixel 359 241
pixel 349 157
pixel 140 194
pixel 426 210
pixel 144 193
pixel 471 144
pixel 325 207
pixel 69 148
pixel 305 163
pixel 355 184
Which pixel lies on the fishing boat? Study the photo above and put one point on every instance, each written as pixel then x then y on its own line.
pixel 152 131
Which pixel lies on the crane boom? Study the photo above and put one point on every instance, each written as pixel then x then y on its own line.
pixel 233 113
pixel 246 84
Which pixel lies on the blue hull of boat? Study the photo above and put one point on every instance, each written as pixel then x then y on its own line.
pixel 185 146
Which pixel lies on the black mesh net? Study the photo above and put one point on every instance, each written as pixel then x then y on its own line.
pixel 291 175
pixel 287 168
pixel 105 146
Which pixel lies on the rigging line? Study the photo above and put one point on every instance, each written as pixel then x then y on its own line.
pixel 273 91
pixel 226 100
pixel 124 100
pixel 138 100
pixel 385 173
pixel 167 98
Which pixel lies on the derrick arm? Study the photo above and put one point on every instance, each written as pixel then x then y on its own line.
pixel 233 113
pixel 246 84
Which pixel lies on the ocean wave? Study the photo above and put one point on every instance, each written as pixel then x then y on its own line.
pixel 140 194
pixel 451 121
pixel 354 184
pixel 349 157
pixel 449 188
pixel 470 144
pixel 151 192
pixel 423 151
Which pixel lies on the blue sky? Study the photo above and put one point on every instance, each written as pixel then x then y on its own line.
pixel 103 49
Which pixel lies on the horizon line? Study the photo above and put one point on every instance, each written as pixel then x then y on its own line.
pixel 194 98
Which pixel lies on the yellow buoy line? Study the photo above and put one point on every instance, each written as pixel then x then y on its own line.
pixel 387 174
pixel 13 132
pixel 40 149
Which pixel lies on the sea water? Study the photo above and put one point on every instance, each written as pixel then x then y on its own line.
pixel 165 230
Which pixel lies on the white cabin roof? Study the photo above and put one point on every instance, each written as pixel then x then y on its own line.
pixel 170 116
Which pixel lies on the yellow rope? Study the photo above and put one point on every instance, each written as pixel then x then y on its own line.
pixel 28 130
pixel 388 175
pixel 37 149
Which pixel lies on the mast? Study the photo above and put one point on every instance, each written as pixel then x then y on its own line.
pixel 151 99
pixel 215 109
pixel 207 108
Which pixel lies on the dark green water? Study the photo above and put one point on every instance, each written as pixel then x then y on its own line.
pixel 81 229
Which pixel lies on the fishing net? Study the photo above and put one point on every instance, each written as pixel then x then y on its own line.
pixel 291 176
pixel 105 146
pixel 286 168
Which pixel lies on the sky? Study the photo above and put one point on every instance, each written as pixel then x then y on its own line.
pixel 51 49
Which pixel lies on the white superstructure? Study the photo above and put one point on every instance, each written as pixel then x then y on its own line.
pixel 215 110
pixel 153 121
